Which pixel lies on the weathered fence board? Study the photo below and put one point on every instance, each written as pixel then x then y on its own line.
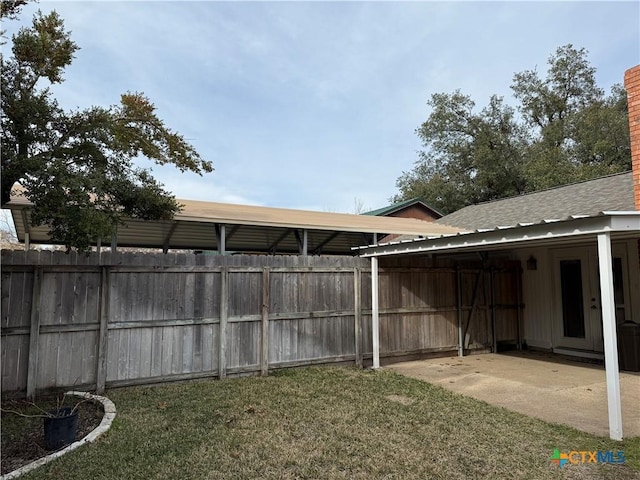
pixel 125 319
pixel 15 358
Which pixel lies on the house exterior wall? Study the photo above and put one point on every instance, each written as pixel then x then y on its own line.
pixel 633 249
pixel 632 85
pixel 540 315
pixel 414 211
pixel 537 296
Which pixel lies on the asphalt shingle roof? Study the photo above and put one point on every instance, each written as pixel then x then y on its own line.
pixel 611 193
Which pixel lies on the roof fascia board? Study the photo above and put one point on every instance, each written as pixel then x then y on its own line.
pixel 624 221
pixel 503 237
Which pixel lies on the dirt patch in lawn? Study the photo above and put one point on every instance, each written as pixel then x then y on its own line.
pixel 400 399
pixel 23 437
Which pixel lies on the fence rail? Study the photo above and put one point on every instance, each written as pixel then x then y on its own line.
pixel 124 319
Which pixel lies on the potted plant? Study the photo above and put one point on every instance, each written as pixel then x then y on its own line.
pixel 60 423
pixel 60 426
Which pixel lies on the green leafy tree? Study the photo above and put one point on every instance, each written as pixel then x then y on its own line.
pixel 600 137
pixel 10 8
pixel 77 167
pixel 579 133
pixel 470 157
pixel 568 130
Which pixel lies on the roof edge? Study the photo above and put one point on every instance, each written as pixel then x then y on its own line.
pixel 400 205
pixel 557 187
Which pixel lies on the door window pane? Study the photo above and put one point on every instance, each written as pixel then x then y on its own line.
pixel 572 300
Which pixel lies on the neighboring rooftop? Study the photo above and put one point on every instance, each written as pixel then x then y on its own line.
pixel 396 207
pixel 590 197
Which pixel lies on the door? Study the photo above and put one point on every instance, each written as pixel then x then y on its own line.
pixel 576 306
pixel 578 313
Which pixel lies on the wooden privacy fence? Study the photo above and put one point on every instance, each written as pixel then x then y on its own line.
pixel 426 307
pixel 124 319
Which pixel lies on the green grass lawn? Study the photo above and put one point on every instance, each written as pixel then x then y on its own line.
pixel 326 423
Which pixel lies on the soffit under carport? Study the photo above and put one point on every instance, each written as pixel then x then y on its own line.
pixel 202 236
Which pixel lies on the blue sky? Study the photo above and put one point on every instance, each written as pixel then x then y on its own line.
pixel 313 105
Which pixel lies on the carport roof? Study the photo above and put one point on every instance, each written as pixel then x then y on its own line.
pixel 620 225
pixel 247 228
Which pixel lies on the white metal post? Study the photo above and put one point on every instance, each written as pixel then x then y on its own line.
pixel 375 320
pixel 222 241
pixel 459 309
pixel 609 331
pixel 221 238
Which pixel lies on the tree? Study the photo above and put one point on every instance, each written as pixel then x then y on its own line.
pixel 10 8
pixel 579 133
pixel 470 157
pixel 568 131
pixel 77 167
pixel 8 236
pixel 601 143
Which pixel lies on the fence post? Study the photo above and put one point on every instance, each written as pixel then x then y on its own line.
pixel 34 335
pixel 264 353
pixel 224 309
pixel 375 313
pixel 357 281
pixel 103 334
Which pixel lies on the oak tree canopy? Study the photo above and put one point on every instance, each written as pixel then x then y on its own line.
pixel 564 129
pixel 78 167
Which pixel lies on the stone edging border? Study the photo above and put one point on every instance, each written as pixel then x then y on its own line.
pixel 105 424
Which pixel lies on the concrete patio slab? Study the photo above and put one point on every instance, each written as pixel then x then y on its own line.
pixel 541 385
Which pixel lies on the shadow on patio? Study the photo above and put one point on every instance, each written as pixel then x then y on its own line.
pixel 542 385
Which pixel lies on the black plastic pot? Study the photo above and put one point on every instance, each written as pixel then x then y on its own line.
pixel 60 429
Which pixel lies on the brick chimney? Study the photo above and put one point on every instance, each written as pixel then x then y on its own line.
pixel 632 85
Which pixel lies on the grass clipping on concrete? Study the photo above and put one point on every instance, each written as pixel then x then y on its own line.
pixel 326 423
